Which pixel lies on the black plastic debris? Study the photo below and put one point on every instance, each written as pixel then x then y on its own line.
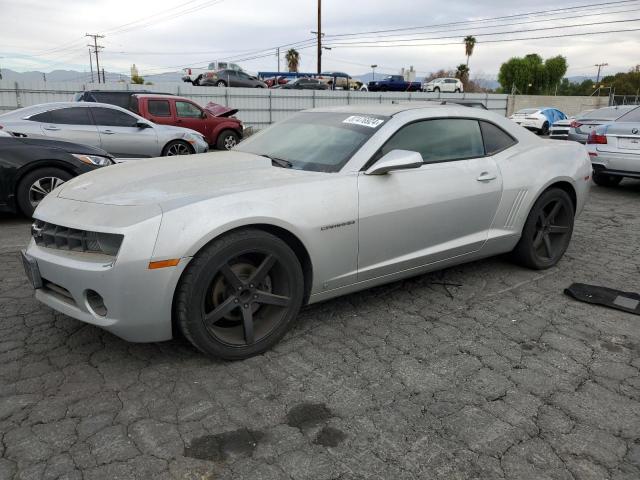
pixel 608 297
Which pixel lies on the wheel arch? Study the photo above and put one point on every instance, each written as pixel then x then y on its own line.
pixel 193 150
pixel 567 187
pixel 37 165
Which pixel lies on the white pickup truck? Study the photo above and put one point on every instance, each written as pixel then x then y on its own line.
pixel 193 75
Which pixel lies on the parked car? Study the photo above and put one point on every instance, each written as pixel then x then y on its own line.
pixel 538 119
pixel 231 78
pixel 579 130
pixel 560 129
pixel 215 122
pixel 342 80
pixel 32 167
pixel 305 84
pixel 120 98
pixel 214 245
pixel 194 75
pixel 614 150
pixel 393 83
pixel 443 85
pixel 118 131
pixel 274 82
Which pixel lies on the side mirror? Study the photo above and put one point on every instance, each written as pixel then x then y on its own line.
pixel 203 115
pixel 140 124
pixel 395 160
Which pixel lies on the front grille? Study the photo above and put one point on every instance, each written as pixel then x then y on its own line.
pixel 64 238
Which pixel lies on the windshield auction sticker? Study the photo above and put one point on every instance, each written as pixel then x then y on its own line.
pixel 370 122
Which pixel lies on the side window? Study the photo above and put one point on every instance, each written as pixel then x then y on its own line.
pixel 65 116
pixel 188 110
pixel 113 118
pixel 495 139
pixel 439 140
pixel 159 108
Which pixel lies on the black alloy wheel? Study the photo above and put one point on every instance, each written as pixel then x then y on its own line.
pixel 547 231
pixel 240 294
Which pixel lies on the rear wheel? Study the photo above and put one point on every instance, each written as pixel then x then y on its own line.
pixel 457 90
pixel 436 90
pixel 227 140
pixel 221 83
pixel 240 294
pixel 38 184
pixel 605 180
pixel 547 231
pixel 545 129
pixel 177 147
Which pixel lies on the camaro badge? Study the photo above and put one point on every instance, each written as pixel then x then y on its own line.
pixel 337 225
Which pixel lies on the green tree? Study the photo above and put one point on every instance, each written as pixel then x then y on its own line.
pixel 469 45
pixel 462 73
pixel 531 75
pixel 137 79
pixel 293 59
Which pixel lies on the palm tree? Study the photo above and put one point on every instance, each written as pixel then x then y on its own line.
pixel 469 45
pixel 293 59
pixel 462 72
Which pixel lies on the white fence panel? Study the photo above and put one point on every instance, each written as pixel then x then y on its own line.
pixel 257 107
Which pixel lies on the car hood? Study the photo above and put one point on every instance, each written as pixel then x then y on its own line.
pixel 68 147
pixel 175 181
pixel 218 110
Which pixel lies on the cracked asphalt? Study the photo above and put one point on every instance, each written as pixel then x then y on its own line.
pixel 483 371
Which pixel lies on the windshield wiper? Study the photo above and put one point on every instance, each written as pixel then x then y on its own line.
pixel 281 162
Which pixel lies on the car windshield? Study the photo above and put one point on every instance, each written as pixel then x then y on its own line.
pixel 315 141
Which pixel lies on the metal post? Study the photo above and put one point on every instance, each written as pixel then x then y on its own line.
pixel 91 64
pixel 319 37
pixel 270 107
pixel 17 87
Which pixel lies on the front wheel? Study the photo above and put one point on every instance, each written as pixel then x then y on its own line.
pixel 227 140
pixel 38 184
pixel 221 83
pixel 177 147
pixel 436 90
pixel 547 231
pixel 240 294
pixel 605 180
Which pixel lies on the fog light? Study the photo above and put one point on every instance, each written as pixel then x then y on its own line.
pixel 96 303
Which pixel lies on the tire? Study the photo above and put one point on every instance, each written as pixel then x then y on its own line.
pixel 436 90
pixel 604 180
pixel 545 129
pixel 457 90
pixel 227 140
pixel 221 83
pixel 35 185
pixel 196 82
pixel 217 284
pixel 547 231
pixel 177 147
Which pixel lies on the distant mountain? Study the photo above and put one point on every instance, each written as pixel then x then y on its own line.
pixel 75 76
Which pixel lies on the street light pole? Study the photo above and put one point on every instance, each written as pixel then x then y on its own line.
pixel 319 36
pixel 373 72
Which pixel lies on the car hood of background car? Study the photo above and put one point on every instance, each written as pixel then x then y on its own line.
pixel 218 110
pixel 174 181
pixel 68 147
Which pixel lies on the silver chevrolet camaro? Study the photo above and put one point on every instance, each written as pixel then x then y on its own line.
pixel 226 247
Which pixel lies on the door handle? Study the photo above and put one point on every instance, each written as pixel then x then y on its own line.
pixel 486 177
pixel 108 132
pixel 51 127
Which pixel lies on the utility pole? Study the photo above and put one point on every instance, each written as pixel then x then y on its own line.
pixel 103 79
pixel 278 54
pixel 96 49
pixel 599 65
pixel 319 37
pixel 373 72
pixel 91 65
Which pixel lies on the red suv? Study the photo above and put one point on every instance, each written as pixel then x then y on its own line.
pixel 215 122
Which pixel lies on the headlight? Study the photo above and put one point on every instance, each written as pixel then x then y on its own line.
pixel 93 159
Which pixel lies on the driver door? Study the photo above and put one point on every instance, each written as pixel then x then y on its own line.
pixel 415 217
pixel 121 137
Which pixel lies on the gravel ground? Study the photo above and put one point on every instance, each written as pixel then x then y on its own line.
pixel 481 371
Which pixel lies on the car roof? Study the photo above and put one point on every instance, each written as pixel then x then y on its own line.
pixel 160 95
pixel 44 107
pixel 390 109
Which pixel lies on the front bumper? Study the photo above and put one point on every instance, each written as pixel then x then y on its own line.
pixel 138 300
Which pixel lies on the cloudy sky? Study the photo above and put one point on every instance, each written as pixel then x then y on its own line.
pixel 166 35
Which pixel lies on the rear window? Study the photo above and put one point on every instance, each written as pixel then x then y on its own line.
pixel 121 99
pixel 159 108
pixel 632 116
pixel 608 113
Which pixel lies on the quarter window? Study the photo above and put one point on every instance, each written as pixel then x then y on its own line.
pixel 439 140
pixel 188 110
pixel 159 108
pixel 495 139
pixel 113 118
pixel 65 116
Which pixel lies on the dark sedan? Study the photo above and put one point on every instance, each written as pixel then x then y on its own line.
pixel 30 168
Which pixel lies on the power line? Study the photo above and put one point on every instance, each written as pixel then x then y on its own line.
pixel 540 12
